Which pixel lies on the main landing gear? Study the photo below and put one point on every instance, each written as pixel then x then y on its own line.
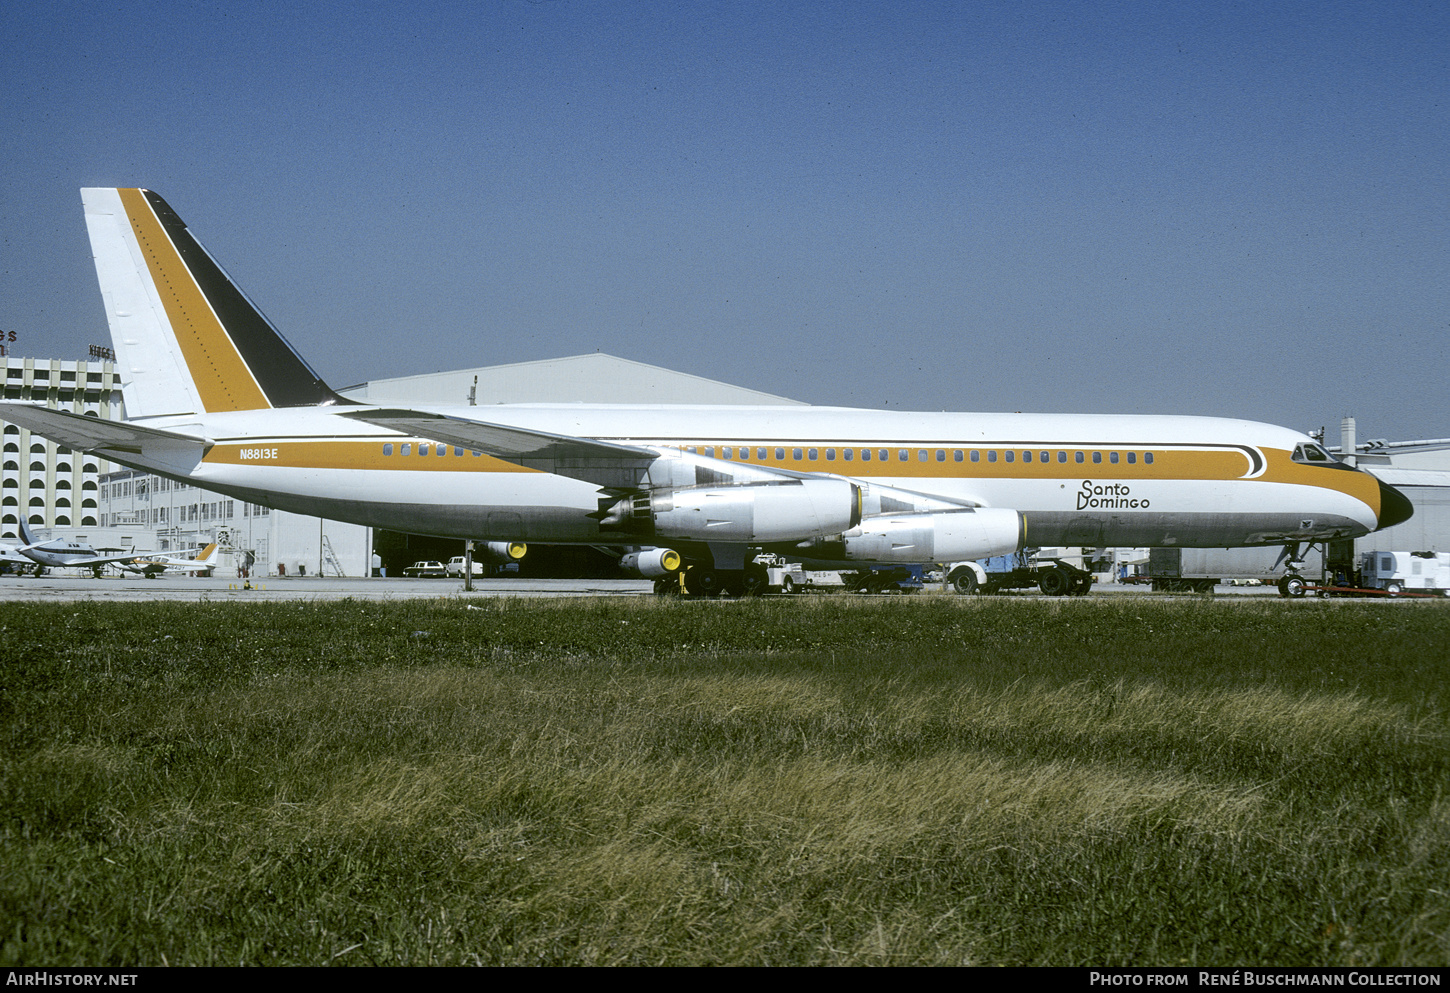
pixel 704 581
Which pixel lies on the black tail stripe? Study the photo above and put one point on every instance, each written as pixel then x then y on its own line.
pixel 285 379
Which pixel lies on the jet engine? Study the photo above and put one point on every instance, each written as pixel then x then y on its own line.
pixel 500 552
pixel 652 563
pixel 787 510
pixel 948 536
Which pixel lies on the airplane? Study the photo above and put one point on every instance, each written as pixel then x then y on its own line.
pixel 216 397
pixel 58 553
pixel 154 565
pixel 12 561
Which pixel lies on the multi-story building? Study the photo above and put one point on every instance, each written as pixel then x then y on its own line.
pixel 48 484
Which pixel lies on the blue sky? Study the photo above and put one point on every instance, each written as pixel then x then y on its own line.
pixel 1228 209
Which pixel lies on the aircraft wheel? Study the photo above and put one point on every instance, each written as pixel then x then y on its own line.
pixel 964 581
pixel 1053 582
pixel 701 581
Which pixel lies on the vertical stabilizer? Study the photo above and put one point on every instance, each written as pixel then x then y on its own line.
pixel 187 340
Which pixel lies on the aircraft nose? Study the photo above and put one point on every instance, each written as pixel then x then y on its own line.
pixel 1395 507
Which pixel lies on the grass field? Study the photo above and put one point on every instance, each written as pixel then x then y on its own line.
pixel 826 780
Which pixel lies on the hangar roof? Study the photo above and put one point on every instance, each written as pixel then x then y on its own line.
pixel 594 378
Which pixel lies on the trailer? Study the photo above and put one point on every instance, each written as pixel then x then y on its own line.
pixel 1199 570
pixel 1020 570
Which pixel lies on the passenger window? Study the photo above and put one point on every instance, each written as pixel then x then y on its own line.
pixel 1047 456
pixel 941 455
pixel 921 455
pixel 957 455
pixel 1062 456
pixel 1097 458
pixel 992 456
pixel 422 448
pixel 797 453
pixel 1132 458
pixel 812 454
pixel 1008 455
pixel 709 452
pixel 1026 456
pixel 846 453
pixel 902 455
pixel 442 450
pixel 1113 457
pixel 883 455
pixel 976 455
pixel 408 448
pixel 780 454
pixel 388 449
pixel 830 455
pixel 865 455
pixel 1077 457
pixel 760 454
pixel 457 451
pixel 1147 458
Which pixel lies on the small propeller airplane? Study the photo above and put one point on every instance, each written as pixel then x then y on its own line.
pixel 154 565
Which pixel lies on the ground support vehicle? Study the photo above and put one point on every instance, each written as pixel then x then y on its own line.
pixel 1405 573
pixel 456 567
pixel 1020 570
pixel 779 576
pixel 432 570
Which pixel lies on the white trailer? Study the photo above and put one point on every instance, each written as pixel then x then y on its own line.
pixel 1201 569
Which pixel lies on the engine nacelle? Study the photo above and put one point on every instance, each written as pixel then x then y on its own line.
pixel 948 536
pixel 652 563
pixel 500 552
pixel 791 510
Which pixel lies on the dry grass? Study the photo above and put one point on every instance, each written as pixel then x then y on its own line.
pixel 834 782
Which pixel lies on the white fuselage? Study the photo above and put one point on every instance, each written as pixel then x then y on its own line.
pixel 1077 479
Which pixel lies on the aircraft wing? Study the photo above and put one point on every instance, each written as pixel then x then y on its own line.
pixel 37 553
pixel 613 466
pixel 600 462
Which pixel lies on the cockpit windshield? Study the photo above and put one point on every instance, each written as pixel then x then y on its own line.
pixel 1314 455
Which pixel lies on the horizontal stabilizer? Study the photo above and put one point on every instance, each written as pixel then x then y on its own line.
pixel 120 441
